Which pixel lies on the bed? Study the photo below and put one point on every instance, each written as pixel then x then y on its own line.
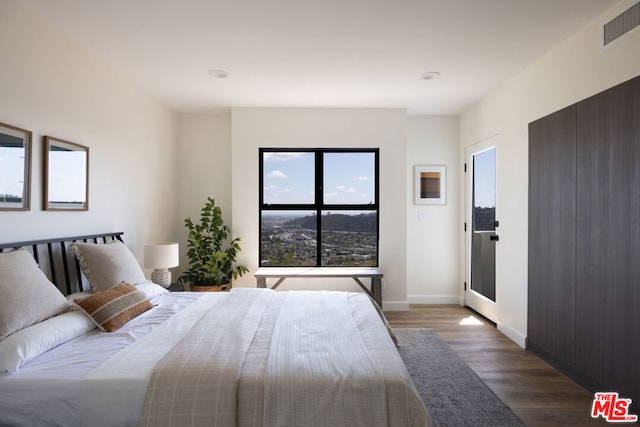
pixel 86 340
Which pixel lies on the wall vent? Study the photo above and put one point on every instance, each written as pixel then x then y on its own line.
pixel 621 24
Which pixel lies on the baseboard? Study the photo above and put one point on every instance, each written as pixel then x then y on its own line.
pixel 433 299
pixel 395 306
pixel 513 335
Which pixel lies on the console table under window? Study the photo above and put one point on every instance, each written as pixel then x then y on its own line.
pixel 356 274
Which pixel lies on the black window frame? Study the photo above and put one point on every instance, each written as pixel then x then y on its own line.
pixel 319 205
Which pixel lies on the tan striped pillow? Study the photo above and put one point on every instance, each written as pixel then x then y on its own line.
pixel 113 308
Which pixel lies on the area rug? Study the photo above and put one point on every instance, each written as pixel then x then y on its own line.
pixel 453 394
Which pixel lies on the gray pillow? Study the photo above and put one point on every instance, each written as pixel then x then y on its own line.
pixel 109 264
pixel 26 294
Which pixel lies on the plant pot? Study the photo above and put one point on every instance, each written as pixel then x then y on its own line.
pixel 212 288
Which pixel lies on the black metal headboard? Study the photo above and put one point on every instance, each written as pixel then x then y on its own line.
pixel 58 257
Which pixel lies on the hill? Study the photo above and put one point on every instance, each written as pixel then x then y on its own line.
pixel 362 223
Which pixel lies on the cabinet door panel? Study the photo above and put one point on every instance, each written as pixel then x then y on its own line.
pixel 552 234
pixel 608 239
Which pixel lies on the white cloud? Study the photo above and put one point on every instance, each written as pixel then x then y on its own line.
pixel 281 157
pixel 277 174
pixel 362 178
pixel 330 195
pixel 270 187
pixel 287 190
pixel 345 189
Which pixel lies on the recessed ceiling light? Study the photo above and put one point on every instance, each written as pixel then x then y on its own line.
pixel 220 74
pixel 431 75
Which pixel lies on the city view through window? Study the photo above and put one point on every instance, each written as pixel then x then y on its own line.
pixel 338 228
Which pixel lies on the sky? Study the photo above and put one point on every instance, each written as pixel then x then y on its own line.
pixel 70 180
pixel 348 178
pixel 12 170
pixel 484 172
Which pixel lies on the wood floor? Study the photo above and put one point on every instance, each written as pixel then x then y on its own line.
pixel 535 391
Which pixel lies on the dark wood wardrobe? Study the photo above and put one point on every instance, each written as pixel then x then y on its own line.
pixel 584 240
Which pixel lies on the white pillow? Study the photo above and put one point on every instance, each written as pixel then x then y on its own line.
pixel 151 290
pixel 30 342
pixel 109 264
pixel 26 295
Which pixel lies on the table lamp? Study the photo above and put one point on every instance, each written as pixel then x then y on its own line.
pixel 161 257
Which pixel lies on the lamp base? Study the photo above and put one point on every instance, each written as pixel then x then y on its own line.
pixel 162 277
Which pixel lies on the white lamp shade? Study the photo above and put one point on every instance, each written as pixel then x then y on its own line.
pixel 161 255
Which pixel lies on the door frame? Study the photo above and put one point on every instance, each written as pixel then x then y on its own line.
pixel 476 301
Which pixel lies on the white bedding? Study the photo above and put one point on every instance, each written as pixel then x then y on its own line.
pixel 50 384
pixel 120 382
pixel 53 383
pixel 309 326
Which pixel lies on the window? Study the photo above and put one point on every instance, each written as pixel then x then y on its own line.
pixel 318 207
pixel 484 191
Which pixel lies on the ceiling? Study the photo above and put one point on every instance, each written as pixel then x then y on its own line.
pixel 321 53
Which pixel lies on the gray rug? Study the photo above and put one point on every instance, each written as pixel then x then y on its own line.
pixel 453 394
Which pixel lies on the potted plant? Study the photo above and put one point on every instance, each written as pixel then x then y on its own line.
pixel 211 258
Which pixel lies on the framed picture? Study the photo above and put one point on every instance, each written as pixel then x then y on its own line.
pixel 430 185
pixel 15 168
pixel 66 175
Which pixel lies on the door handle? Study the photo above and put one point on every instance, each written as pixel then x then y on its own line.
pixel 494 238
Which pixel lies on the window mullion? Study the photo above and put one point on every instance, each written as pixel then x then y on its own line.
pixel 319 203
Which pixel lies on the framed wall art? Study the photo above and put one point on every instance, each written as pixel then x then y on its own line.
pixel 66 175
pixel 15 168
pixel 430 185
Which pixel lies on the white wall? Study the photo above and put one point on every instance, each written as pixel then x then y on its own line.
pixel 52 86
pixel 384 128
pixel 431 264
pixel 574 70
pixel 204 169
pixel 432 244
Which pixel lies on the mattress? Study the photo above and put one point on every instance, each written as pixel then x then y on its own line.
pixel 103 378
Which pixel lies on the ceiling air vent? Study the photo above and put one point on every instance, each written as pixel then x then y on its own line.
pixel 621 24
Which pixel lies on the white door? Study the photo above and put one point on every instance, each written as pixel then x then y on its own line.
pixel 481 228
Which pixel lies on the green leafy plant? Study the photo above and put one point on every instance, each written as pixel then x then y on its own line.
pixel 211 257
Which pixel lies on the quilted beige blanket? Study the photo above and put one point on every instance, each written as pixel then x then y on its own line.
pixel 264 358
